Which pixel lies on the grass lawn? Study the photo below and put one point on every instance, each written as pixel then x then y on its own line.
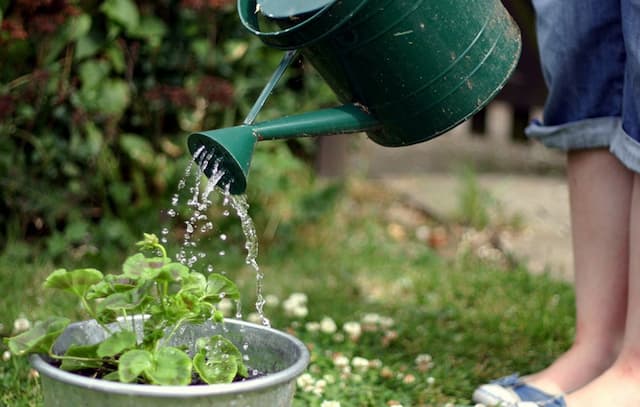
pixel 392 317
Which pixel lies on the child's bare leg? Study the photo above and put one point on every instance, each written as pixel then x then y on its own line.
pixel 620 385
pixel 600 195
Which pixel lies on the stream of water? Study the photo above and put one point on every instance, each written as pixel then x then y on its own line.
pixel 200 201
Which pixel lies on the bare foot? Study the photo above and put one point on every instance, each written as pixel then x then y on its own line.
pixel 573 370
pixel 618 386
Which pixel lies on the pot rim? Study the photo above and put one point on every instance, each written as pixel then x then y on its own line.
pixel 267 381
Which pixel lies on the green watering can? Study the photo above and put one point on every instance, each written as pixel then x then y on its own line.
pixel 406 70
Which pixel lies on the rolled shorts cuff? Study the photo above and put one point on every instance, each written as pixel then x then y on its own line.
pixel 627 150
pixel 582 134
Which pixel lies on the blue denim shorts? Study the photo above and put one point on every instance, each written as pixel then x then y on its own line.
pixel 590 54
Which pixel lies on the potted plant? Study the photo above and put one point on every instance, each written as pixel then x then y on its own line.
pixel 157 338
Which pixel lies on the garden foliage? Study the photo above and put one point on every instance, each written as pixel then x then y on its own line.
pixel 97 98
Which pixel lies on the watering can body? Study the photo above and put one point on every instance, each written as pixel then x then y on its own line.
pixel 407 70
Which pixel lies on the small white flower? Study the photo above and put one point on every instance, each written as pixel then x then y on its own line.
pixel 298 298
pixel 304 380
pixel 327 325
pixel 226 306
pixel 370 319
pixel 423 358
pixel 318 388
pixel 340 361
pixel 6 355
pixel 254 317
pixel 330 403
pixel 312 326
pixel 375 364
pixel 329 378
pixel 409 379
pixel 21 324
pixel 360 364
pixel 295 305
pixel 300 312
pixel 352 329
pixel 272 300
pixel 424 362
pixel 431 380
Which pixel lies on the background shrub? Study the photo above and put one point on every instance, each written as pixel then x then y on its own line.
pixel 97 98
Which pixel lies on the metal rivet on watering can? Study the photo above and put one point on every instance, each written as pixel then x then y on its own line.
pixel 407 70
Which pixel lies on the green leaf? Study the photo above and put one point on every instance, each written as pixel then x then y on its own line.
pixel 115 55
pixel 173 272
pixel 138 149
pixel 38 339
pixel 93 73
pixel 75 281
pixel 95 138
pixel 87 46
pixel 137 266
pixel 219 286
pixel 133 363
pixel 151 29
pixel 127 300
pixel 195 283
pixel 124 12
pixel 171 367
pixel 218 360
pixel 78 27
pixel 86 358
pixel 74 28
pixel 117 343
pixel 114 96
pixel 112 377
pixel 214 371
pixel 107 287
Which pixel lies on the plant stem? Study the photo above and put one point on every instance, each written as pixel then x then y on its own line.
pixel 174 330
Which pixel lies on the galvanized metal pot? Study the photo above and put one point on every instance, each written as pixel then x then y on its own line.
pixel 280 356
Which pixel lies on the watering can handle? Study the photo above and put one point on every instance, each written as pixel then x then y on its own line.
pixel 287 59
pixel 309 30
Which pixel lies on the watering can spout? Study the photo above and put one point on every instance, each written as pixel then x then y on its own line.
pixel 232 148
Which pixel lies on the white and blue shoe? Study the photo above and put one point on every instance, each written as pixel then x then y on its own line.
pixel 512 391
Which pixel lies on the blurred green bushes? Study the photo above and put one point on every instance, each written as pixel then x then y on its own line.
pixel 97 98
